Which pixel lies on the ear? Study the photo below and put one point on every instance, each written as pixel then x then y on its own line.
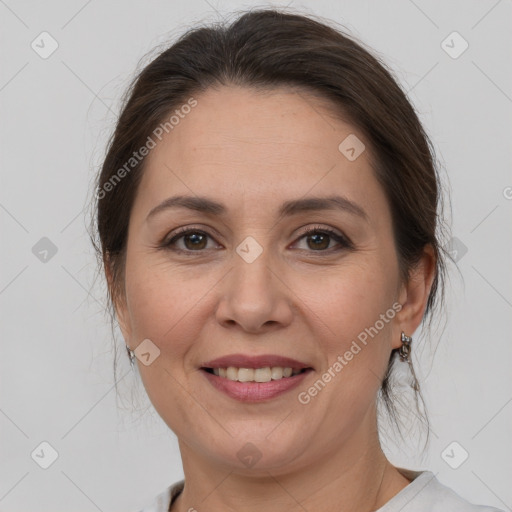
pixel 414 295
pixel 119 302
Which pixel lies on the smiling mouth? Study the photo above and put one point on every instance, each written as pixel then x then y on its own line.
pixel 257 375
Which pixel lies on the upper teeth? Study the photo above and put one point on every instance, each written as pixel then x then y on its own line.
pixel 255 374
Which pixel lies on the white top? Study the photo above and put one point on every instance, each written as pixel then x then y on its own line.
pixel 424 494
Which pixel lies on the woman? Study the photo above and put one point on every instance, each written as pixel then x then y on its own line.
pixel 268 215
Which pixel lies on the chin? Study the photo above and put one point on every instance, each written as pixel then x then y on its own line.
pixel 254 453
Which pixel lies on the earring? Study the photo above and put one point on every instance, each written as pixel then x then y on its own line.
pixel 131 355
pixel 405 349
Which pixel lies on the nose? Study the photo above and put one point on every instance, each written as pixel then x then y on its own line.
pixel 255 296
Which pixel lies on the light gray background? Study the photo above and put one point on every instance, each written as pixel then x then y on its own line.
pixel 56 359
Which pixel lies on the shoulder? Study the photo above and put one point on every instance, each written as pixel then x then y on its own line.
pixel 425 493
pixel 163 500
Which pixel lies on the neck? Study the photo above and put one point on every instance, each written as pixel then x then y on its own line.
pixel 353 476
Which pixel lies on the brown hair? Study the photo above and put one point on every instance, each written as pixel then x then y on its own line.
pixel 266 49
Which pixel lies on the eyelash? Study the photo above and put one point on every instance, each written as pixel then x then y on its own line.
pixel 343 241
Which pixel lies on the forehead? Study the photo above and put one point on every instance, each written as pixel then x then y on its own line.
pixel 236 122
pixel 273 145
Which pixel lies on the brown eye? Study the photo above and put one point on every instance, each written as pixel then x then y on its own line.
pixel 193 240
pixel 319 240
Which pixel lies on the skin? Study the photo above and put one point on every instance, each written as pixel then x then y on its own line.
pixel 251 151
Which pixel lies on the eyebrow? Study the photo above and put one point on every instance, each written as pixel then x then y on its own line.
pixel 209 206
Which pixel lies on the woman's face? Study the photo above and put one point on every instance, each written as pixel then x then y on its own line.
pixel 248 280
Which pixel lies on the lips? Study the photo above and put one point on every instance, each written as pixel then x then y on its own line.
pixel 261 361
pixel 255 392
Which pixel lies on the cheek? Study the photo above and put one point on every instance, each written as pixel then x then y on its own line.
pixel 356 298
pixel 163 309
pixel 357 347
pixel 156 302
pixel 357 309
pixel 171 306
